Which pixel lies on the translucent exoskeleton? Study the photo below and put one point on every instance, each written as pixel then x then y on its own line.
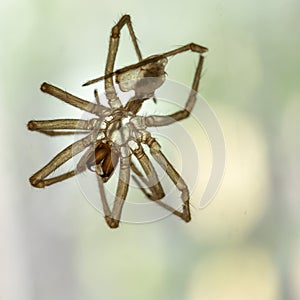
pixel 117 132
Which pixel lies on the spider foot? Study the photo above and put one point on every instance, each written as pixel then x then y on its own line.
pixel 186 215
pixel 111 222
pixel 36 182
pixel 151 196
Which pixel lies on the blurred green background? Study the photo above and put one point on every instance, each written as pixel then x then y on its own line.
pixel 245 244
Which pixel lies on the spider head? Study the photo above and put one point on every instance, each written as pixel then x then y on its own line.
pixel 145 79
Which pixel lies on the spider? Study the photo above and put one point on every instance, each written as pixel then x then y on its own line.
pixel 117 132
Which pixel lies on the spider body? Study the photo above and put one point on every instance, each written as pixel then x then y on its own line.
pixel 136 79
pixel 118 133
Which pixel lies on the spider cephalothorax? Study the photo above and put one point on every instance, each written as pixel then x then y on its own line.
pixel 117 132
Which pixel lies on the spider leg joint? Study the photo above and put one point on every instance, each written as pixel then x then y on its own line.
pixel 138 122
pixel 36 182
pixel 31 125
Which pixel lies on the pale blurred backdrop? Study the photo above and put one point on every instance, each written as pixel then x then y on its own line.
pixel 244 245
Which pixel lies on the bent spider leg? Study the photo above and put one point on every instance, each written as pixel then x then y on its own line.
pixel 60 126
pixel 156 120
pixel 148 195
pixel 135 169
pixel 152 181
pixel 105 206
pixel 141 176
pixel 189 47
pixel 124 20
pixel 152 197
pixel 122 188
pixel 173 175
pixel 81 166
pixel 111 94
pixel 157 190
pixel 90 107
pixel 38 179
pixel 142 179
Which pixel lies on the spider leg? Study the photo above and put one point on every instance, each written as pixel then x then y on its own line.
pixel 141 176
pixel 106 209
pixel 142 179
pixel 153 198
pixel 62 126
pixel 90 107
pixel 61 132
pixel 113 218
pixel 156 120
pixel 148 195
pixel 189 47
pixel 96 96
pixel 112 223
pixel 113 47
pixel 156 189
pixel 111 94
pixel 173 175
pixel 152 181
pixel 38 179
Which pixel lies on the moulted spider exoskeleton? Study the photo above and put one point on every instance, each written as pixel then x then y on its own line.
pixel 117 132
